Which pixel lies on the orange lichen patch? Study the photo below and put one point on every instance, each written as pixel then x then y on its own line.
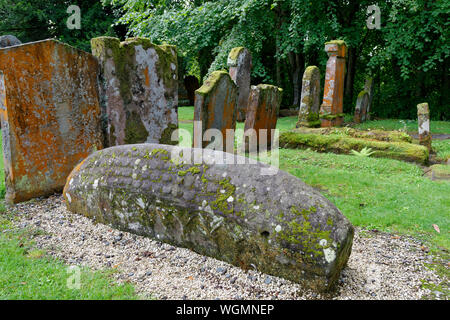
pixel 215 107
pixel 52 112
pixel 333 97
pixel 262 112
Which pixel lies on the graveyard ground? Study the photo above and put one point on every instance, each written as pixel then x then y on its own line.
pixel 375 194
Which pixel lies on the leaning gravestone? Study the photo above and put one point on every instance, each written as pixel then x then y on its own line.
pixel 331 110
pixel 240 64
pixel 139 86
pixel 262 112
pixel 215 108
pixel 9 41
pixel 362 104
pixel 423 114
pixel 308 115
pixel 279 226
pixel 50 115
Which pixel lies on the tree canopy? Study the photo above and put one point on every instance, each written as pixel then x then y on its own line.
pixel 408 56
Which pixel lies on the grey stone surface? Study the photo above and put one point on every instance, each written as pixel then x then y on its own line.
pixel 139 90
pixel 240 64
pixel 362 105
pixel 308 115
pixel 276 224
pixel 9 41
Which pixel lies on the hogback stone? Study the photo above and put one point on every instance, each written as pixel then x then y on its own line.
pixel 279 225
pixel 308 115
pixel 50 115
pixel 139 87
pixel 215 107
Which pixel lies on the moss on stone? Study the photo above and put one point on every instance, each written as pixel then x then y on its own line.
pixel 211 83
pixel 342 144
pixel 338 42
pixel 135 131
pixel 234 55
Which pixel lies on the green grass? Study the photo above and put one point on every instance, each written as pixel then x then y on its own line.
pixel 385 194
pixel 29 274
pixel 442 149
pixel 436 127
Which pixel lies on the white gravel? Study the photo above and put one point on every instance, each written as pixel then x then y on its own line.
pixel 381 266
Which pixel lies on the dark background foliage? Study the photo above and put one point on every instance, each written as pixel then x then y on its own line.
pixel 408 57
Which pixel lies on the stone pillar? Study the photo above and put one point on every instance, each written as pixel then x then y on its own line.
pixel 362 104
pixel 215 107
pixel 423 114
pixel 262 113
pixel 139 87
pixel 9 41
pixel 308 115
pixel 369 87
pixel 331 111
pixel 240 64
pixel 50 115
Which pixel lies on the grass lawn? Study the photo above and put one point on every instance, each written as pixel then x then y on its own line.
pixel 385 194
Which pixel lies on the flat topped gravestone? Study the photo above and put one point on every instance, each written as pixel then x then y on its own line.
pixel 215 108
pixel 262 113
pixel 199 199
pixel 240 64
pixel 308 115
pixel 139 87
pixel 50 115
pixel 331 110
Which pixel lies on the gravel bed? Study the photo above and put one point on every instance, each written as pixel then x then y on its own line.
pixel 381 266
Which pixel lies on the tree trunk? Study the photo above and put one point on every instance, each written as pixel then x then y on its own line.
pixel 296 61
pixel 350 78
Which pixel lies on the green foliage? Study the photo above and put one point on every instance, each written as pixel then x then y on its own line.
pixel 286 36
pixel 33 20
pixel 365 152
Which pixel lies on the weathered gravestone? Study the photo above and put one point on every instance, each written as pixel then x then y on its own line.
pixel 262 113
pixel 280 225
pixel 215 108
pixel 369 88
pixel 362 104
pixel 139 87
pixel 240 64
pixel 423 114
pixel 9 41
pixel 50 115
pixel 308 115
pixel 331 111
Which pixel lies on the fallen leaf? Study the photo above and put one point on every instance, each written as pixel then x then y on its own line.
pixel 435 226
pixel 395 237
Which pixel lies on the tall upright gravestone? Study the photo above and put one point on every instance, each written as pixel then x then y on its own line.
pixel 369 87
pixel 308 115
pixel 240 64
pixel 262 113
pixel 215 108
pixel 331 111
pixel 139 87
pixel 423 114
pixel 50 115
pixel 362 105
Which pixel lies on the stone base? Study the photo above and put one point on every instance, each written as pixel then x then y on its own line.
pixel 335 122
